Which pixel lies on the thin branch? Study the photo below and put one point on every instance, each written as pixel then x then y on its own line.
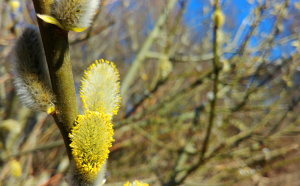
pixel 215 88
pixel 38 148
pixel 138 104
pixel 129 78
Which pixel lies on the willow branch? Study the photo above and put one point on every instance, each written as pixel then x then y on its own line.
pixel 39 148
pixel 56 46
pixel 142 54
pixel 215 88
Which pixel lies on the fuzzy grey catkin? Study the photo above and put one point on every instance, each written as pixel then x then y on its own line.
pixel 75 15
pixel 31 76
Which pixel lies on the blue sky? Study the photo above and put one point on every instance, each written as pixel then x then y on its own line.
pixel 199 23
pixel 236 12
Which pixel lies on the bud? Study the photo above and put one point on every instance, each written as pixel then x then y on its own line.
pixel 136 183
pixel 15 168
pixel 75 15
pixel 100 90
pixel 15 5
pixel 30 71
pixel 218 18
pixel 91 137
pixel 165 67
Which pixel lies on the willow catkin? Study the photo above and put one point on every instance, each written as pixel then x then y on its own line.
pixel 91 138
pixel 100 90
pixel 31 76
pixel 218 18
pixel 75 15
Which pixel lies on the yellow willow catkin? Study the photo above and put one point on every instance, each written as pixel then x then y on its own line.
pixel 15 168
pixel 30 71
pixel 218 18
pixel 15 4
pixel 75 15
pixel 135 183
pixel 91 137
pixel 100 90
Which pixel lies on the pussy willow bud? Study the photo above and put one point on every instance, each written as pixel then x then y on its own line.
pixel 31 76
pixel 15 168
pixel 218 17
pixel 165 67
pixel 91 137
pixel 74 15
pixel 135 183
pixel 100 90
